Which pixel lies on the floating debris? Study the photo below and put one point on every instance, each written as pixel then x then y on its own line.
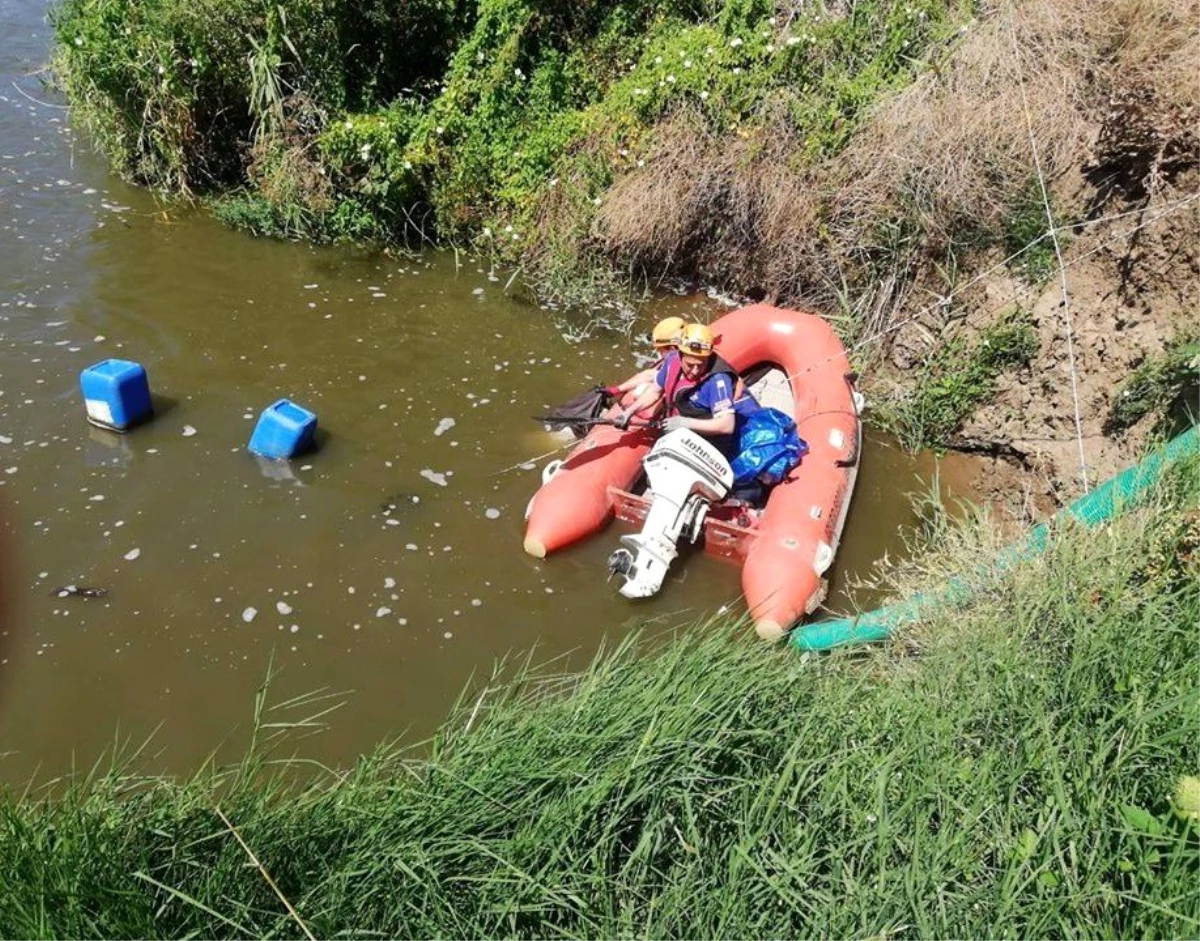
pixel 188 431
pixel 132 554
pixel 443 426
pixel 434 477
pixel 78 591
pixel 249 614
pixel 283 607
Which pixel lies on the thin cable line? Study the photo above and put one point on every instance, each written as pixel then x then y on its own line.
pixel 1062 270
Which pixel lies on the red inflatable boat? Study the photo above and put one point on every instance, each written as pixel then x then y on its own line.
pixel 786 549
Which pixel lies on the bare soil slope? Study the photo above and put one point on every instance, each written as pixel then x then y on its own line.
pixel 1128 296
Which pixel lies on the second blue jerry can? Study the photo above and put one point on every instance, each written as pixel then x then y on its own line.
pixel 284 430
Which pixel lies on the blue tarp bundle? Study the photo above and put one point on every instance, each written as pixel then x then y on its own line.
pixel 767 447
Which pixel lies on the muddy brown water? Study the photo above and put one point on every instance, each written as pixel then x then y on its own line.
pixel 387 566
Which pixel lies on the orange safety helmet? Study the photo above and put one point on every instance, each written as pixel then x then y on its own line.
pixel 666 332
pixel 696 340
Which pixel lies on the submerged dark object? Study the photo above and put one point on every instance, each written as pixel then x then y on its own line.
pixel 391 505
pixel 78 591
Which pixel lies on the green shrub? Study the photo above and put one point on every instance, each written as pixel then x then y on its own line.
pixel 956 379
pixel 1028 234
pixel 373 181
pixel 172 88
pixel 1160 384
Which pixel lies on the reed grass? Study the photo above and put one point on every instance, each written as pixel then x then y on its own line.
pixel 1002 771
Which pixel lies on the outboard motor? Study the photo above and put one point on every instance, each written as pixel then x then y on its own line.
pixel 686 475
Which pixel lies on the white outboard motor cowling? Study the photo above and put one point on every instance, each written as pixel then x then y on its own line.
pixel 686 475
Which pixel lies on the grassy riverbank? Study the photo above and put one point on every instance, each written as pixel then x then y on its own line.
pixel 1004 770
pixel 505 123
pixel 797 150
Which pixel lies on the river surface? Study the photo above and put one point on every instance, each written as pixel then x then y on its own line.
pixel 385 568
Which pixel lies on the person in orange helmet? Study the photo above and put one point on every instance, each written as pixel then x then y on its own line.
pixel 664 337
pixel 701 392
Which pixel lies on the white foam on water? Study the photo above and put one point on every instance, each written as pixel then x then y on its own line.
pixel 443 426
pixel 132 554
pixel 431 475
pixel 492 513
pixel 283 607
pixel 249 614
pixel 382 612
pixel 188 431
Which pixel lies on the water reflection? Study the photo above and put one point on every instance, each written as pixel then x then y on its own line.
pixel 279 471
pixel 106 449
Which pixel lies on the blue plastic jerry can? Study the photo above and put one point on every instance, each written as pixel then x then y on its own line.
pixel 284 430
pixel 116 394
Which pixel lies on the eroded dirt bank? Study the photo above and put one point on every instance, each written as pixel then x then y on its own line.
pixel 1132 287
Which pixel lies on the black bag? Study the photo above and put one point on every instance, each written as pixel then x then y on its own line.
pixel 581 412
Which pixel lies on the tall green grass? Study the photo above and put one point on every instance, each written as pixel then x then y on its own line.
pixel 1003 771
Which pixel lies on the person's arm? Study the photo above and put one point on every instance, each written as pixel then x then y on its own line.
pixel 720 424
pixel 648 398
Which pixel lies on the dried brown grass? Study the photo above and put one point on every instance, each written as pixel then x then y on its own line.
pixel 1108 90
